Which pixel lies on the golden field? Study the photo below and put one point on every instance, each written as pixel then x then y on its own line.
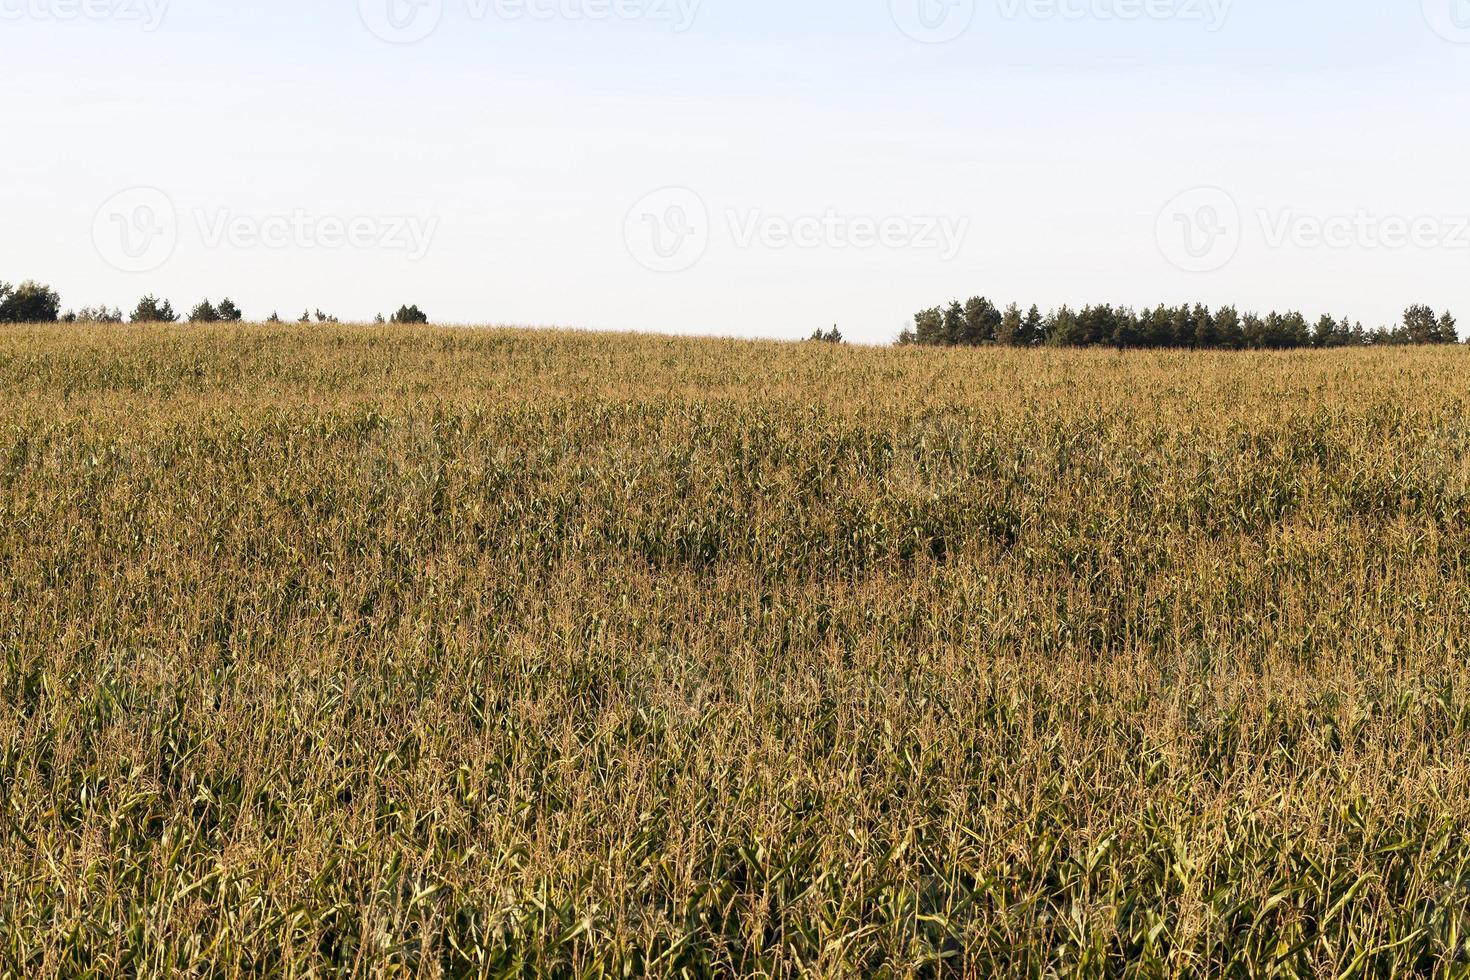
pixel 414 652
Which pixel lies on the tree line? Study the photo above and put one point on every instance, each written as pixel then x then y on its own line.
pixel 978 322
pixel 32 302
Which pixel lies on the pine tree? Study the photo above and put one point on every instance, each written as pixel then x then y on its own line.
pixel 1125 331
pixel 1033 329
pixel 1063 330
pixel 954 324
pixel 1160 332
pixel 1323 333
pixel 1298 332
pixel 150 310
pixel 1420 325
pixel 1449 332
pixel 412 314
pixel 1205 337
pixel 982 322
pixel 1011 331
pixel 1096 325
pixel 1183 327
pixel 1228 328
pixel 929 327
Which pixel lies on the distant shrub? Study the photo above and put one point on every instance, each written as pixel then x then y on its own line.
pixel 409 314
pixel 88 314
pixel 150 310
pixel 30 302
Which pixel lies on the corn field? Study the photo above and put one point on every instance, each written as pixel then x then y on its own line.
pixel 415 652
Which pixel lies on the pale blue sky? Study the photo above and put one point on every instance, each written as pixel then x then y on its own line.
pixel 492 166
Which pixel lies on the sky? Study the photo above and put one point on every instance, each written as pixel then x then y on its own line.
pixel 756 168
